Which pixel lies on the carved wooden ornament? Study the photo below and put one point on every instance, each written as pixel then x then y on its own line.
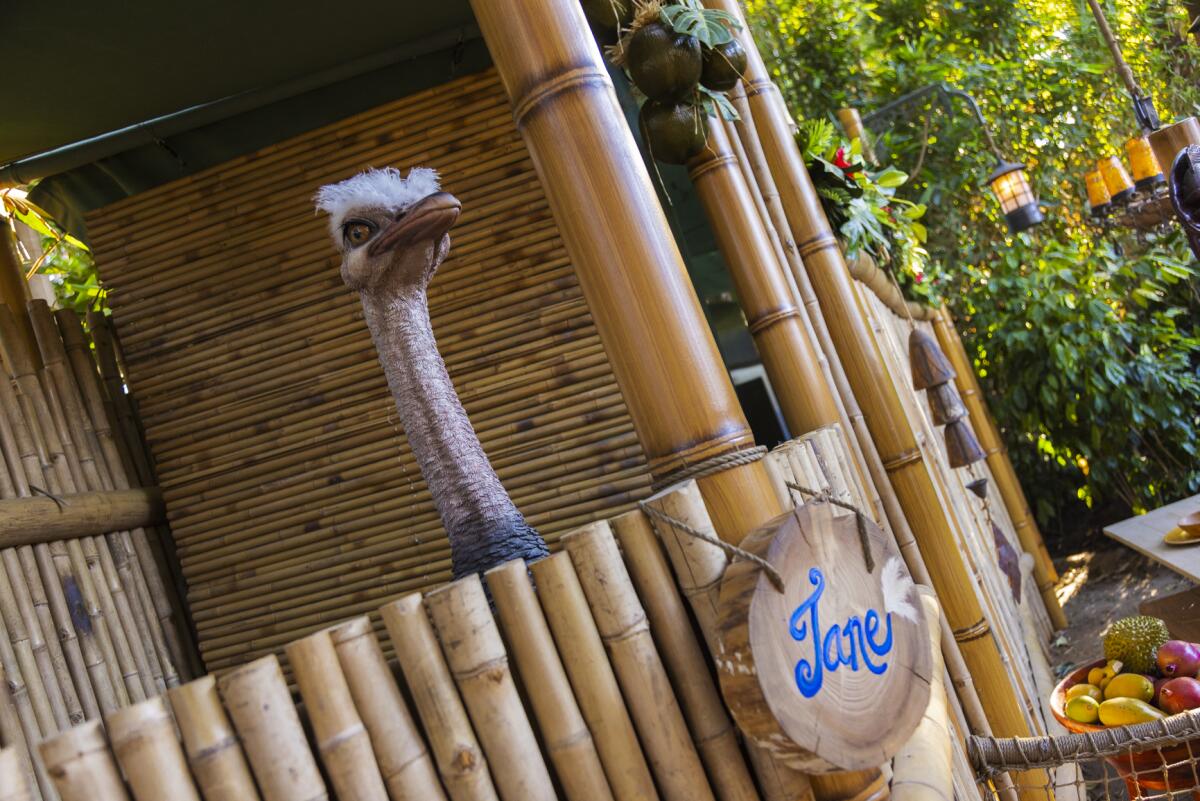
pixel 832 673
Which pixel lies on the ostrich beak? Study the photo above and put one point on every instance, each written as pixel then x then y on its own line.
pixel 428 218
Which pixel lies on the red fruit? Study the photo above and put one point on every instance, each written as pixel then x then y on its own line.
pixel 1180 695
pixel 1178 658
pixel 1158 685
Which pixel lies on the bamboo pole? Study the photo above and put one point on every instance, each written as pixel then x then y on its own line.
pixel 14 784
pixel 260 706
pixel 211 745
pixel 1000 465
pixel 25 521
pixel 629 267
pixel 622 624
pixel 874 389
pixel 342 739
pixel 564 733
pixel 148 751
pixel 15 741
pixel 81 765
pixel 460 760
pixel 592 680
pixel 711 728
pixel 479 664
pixel 404 761
pixel 922 770
pixel 14 289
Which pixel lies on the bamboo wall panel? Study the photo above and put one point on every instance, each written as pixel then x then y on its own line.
pixel 291 491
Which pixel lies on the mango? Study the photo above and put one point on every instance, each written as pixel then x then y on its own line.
pixel 1126 711
pixel 1086 689
pixel 1130 685
pixel 1083 709
pixel 1095 676
pixel 1101 676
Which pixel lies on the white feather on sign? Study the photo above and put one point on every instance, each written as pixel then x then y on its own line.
pixel 897 587
pixel 385 189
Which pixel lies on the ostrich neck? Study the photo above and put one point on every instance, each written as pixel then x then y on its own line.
pixel 465 488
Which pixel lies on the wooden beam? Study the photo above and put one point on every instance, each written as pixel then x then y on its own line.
pixel 28 521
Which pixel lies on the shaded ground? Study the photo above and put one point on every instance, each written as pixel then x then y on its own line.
pixel 1101 584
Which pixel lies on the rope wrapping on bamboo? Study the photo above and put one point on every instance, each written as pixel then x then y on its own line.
pixel 733 551
pixel 860 519
pixel 992 756
pixel 708 467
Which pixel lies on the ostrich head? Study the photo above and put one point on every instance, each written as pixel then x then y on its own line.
pixel 391 229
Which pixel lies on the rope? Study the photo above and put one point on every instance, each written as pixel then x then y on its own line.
pixel 709 466
pixel 859 518
pixel 733 551
pixel 62 504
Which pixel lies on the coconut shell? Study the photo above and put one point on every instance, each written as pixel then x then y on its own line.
pixel 723 66
pixel 664 64
pixel 673 133
pixel 608 15
pixel 961 445
pixel 930 366
pixel 945 404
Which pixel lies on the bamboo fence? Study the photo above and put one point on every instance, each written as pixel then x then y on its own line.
pixel 292 494
pixel 87 624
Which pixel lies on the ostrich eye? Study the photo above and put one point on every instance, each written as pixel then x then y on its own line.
pixel 356 232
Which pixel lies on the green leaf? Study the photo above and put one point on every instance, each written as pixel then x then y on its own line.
pixel 711 26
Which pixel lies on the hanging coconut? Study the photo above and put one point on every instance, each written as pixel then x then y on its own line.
pixel 930 366
pixel 961 445
pixel 979 487
pixel 608 15
pixel 663 63
pixel 1009 562
pixel 945 404
pixel 673 132
pixel 723 66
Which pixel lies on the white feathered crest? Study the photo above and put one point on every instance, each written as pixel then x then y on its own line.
pixel 386 189
pixel 897 587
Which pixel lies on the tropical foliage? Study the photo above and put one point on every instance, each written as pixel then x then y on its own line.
pixel 1088 340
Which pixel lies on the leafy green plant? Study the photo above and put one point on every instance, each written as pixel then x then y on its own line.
pixel 710 25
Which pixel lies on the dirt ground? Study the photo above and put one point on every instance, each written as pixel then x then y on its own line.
pixel 1100 585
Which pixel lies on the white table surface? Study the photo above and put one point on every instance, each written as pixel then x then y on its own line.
pixel 1144 534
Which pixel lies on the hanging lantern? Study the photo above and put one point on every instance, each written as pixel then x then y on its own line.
pixel 961 445
pixel 930 366
pixel 1147 173
pixel 945 404
pixel 1120 185
pixel 1017 200
pixel 1099 200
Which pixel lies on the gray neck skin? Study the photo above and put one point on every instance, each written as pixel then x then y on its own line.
pixel 484 526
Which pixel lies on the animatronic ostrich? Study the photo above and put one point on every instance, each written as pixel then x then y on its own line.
pixel 392 232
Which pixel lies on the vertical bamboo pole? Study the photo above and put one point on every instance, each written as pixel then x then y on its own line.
pixel 479 664
pixel 403 759
pixel 150 756
pixel 711 728
pixel 874 389
pixel 565 735
pixel 14 737
pixel 14 289
pixel 14 783
pixel 923 768
pixel 592 679
pixel 788 355
pixel 622 624
pixel 999 464
pixel 210 743
pixel 83 769
pixel 460 760
pixel 342 739
pixel 629 268
pixel 260 705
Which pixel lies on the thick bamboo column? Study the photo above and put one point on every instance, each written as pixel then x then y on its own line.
pixel 28 521
pixel 775 322
pixel 873 387
pixel 663 355
pixel 81 765
pixel 14 783
pixel 211 745
pixel 14 289
pixel 1000 465
pixel 149 753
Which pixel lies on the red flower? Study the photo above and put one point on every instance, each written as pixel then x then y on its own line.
pixel 839 161
pixel 920 277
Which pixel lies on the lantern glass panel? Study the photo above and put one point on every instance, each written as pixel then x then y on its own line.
pixel 1013 191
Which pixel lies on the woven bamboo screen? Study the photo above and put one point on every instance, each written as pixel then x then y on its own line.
pixel 291 490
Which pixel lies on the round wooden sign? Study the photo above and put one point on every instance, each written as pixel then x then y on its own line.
pixel 833 672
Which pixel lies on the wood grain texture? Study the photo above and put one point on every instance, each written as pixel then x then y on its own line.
pixel 26 521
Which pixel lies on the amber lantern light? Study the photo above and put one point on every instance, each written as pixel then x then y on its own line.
pixel 1099 201
pixel 1016 197
pixel 1120 185
pixel 1147 173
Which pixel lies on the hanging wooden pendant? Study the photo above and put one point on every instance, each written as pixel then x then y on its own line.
pixel 1009 562
pixel 961 444
pixel 945 404
pixel 930 366
pixel 979 487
